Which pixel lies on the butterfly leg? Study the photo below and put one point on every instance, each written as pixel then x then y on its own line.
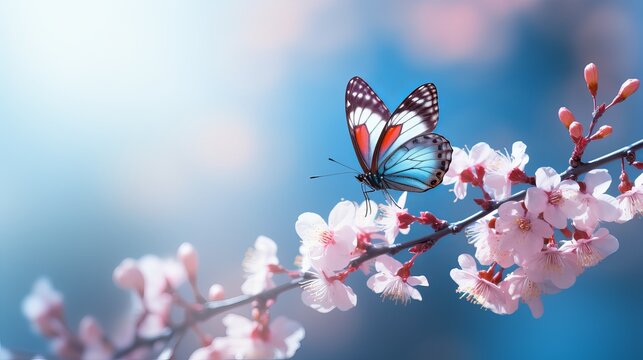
pixel 390 198
pixel 367 199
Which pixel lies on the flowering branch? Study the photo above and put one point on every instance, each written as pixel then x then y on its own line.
pixel 209 310
pixel 514 236
pixel 214 308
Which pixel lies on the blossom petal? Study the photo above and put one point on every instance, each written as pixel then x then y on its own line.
pixel 414 293
pixel 547 178
pixel 308 225
pixel 608 209
pixel 535 306
pixel 480 152
pixel 536 200
pixel 555 216
pixel 343 296
pixel 467 263
pixel 597 181
pixel 417 281
pixel 342 215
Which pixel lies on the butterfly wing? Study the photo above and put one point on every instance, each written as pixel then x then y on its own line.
pixel 416 115
pixel 366 115
pixel 418 165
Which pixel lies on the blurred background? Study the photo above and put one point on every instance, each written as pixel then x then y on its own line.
pixel 127 128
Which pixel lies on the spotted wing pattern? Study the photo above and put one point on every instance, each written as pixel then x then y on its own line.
pixel 367 116
pixel 418 165
pixel 416 115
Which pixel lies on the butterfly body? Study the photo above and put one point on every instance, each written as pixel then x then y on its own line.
pixel 397 151
pixel 373 180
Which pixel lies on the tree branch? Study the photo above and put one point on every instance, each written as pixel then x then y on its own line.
pixel 214 308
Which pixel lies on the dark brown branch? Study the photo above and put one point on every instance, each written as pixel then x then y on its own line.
pixel 213 308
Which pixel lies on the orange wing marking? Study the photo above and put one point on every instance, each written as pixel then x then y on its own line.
pixel 362 136
pixel 389 138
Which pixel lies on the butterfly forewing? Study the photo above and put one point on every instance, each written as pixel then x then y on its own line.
pixel 416 115
pixel 418 165
pixel 367 116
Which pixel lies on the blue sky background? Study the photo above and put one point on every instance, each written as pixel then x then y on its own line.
pixel 127 128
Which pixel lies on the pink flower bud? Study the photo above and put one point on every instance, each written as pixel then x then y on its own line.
pixel 603 132
pixel 128 276
pixel 216 292
pixel 576 131
pixel 628 88
pixel 187 255
pixel 591 78
pixel 625 185
pixel 89 330
pixel 566 116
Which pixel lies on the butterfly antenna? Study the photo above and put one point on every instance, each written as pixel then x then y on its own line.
pixel 346 166
pixel 333 174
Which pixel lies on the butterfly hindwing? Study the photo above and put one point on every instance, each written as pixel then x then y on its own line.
pixel 418 165
pixel 416 115
pixel 367 116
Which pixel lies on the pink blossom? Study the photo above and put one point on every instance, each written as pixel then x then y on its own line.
pixel 500 166
pixel 393 280
pixel 554 265
pixel 127 275
pixel 43 307
pixel 487 243
pixel 631 201
pixel 522 231
pixel 325 294
pixel 210 352
pixel 481 290
pixel 257 266
pixel 465 167
pixel 598 205
pixel 160 274
pixel 554 198
pixel 328 247
pixel 365 218
pixel 519 286
pixel 242 341
pixel 590 252
pixel 389 221
pixel 161 277
pixel 91 335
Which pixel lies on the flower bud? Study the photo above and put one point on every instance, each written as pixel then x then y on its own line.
pixel 603 132
pixel 628 88
pixel 576 131
pixel 89 330
pixel 566 116
pixel 591 78
pixel 216 292
pixel 625 184
pixel 188 257
pixel 128 276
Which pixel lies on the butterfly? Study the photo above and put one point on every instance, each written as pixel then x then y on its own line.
pixel 396 151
